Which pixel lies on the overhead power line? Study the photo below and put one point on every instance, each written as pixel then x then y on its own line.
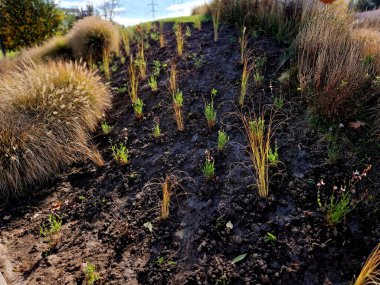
pixel 153 6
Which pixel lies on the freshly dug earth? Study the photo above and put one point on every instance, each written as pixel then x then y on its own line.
pixel 104 209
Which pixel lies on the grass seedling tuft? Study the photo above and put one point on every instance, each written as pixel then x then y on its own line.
pixel 223 139
pixel 188 32
pixel 138 107
pixel 370 273
pixel 259 145
pixel 215 13
pixel 140 60
pixel 247 70
pixel 126 42
pixel 177 105
pixel 91 276
pixel 120 153
pixel 156 68
pixel 153 83
pixel 173 77
pixel 166 192
pixel 179 38
pixel 198 23
pixel 210 114
pixel 162 35
pixel 50 231
pixel 106 128
pixel 156 129
pixel 133 81
pixel 209 167
pixel 243 41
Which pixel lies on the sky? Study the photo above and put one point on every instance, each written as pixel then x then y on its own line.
pixel 136 11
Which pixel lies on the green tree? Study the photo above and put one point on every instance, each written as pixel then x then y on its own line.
pixel 28 22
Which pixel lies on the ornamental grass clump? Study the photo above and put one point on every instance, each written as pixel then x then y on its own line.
pixel 370 273
pixel 93 39
pixel 47 112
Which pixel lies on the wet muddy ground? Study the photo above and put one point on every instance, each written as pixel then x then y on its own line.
pixel 104 209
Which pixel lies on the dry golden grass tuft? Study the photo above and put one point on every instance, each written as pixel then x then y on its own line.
pixel 92 39
pixel 46 114
pixel 370 273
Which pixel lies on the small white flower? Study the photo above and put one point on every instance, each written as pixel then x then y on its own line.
pixel 355 173
pixel 322 182
pixel 335 188
pixel 342 189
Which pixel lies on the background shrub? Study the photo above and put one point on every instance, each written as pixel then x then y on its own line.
pixel 46 114
pixel 92 39
pixel 336 63
pixel 280 19
pixel 28 22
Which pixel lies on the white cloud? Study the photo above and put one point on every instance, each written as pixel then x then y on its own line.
pixel 184 9
pixel 129 21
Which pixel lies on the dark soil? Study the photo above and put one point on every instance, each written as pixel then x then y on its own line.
pixel 104 209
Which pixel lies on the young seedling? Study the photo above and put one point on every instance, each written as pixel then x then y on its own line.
pixel 162 35
pixel 138 107
pixel 156 68
pixel 166 192
pixel 210 112
pixel 223 139
pixel 258 78
pixel 179 38
pixel 258 136
pixel 188 32
pixel 89 270
pixel 244 80
pixel 50 231
pixel 243 41
pixel 120 153
pixel 209 167
pixel 269 237
pixel 156 128
pixel 279 102
pixel 370 273
pixel 106 128
pixel 153 83
pixel 215 13
pixel 273 155
pixel 177 105
pixel 133 81
pixel 198 23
